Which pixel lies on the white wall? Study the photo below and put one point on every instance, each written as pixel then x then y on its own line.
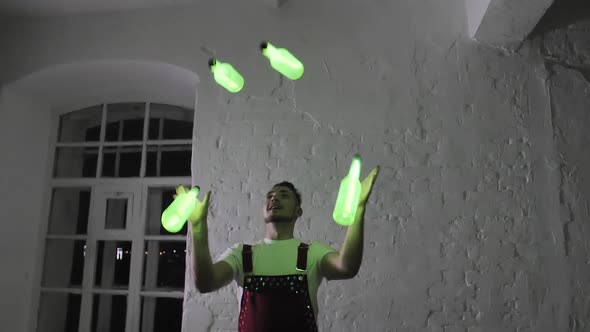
pixel 24 133
pixel 568 61
pixel 476 9
pixel 462 230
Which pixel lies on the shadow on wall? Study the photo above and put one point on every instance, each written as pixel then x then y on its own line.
pixel 562 14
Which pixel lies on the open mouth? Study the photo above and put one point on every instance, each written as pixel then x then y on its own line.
pixel 273 208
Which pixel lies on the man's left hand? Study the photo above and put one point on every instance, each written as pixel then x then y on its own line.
pixel 367 186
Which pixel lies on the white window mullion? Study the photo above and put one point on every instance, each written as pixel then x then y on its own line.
pixel 111 291
pixel 146 128
pixel 107 278
pixel 159 153
pixel 123 144
pixel 118 148
pixel 77 145
pixel 89 265
pixel 61 290
pixel 170 142
pixel 103 130
pixel 151 275
pixel 137 259
pixel 169 238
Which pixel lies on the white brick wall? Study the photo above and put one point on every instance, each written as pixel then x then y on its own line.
pixel 566 54
pixel 449 242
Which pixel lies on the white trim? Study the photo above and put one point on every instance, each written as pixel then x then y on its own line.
pixel 81 291
pixel 72 107
pixel 33 314
pixel 167 238
pixel 108 291
pixel 89 182
pixel 94 144
pixel 66 237
pixel 61 290
pixel 170 294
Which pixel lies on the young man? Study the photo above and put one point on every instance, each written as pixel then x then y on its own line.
pixel 278 277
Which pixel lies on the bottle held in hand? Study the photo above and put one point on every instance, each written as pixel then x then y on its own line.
pixel 178 212
pixel 349 194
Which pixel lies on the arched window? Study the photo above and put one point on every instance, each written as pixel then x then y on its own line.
pixel 109 265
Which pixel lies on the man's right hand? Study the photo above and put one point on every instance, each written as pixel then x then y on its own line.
pixel 199 215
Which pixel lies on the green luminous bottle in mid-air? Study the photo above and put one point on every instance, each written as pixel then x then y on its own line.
pixel 349 194
pixel 226 76
pixel 282 61
pixel 177 213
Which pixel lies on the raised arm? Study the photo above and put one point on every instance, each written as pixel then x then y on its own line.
pixel 346 263
pixel 209 277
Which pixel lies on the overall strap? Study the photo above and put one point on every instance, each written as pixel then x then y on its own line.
pixel 302 257
pixel 247 258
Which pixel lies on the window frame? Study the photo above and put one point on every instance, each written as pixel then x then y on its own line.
pixel 138 237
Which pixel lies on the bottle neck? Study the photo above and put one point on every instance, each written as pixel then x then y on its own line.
pixel 194 191
pixel 355 169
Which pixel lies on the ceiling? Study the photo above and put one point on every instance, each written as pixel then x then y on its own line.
pixel 40 8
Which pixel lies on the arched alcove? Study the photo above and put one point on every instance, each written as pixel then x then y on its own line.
pixel 72 86
pixel 29 106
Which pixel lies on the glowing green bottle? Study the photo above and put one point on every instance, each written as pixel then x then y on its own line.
pixel 282 61
pixel 349 194
pixel 177 213
pixel 226 76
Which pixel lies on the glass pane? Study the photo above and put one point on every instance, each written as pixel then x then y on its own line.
pixel 121 161
pixel 75 162
pixel 159 198
pixel 112 131
pixel 108 313
pixel 164 265
pixel 170 122
pixel 116 214
pixel 155 128
pixel 64 263
pixel 125 122
pixel 112 264
pixel 59 312
pixel 169 160
pixel 69 211
pixel 81 126
pixel 160 314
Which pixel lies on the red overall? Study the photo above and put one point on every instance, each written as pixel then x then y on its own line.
pixel 276 303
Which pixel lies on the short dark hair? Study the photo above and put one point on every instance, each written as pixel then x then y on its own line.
pixel 293 189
